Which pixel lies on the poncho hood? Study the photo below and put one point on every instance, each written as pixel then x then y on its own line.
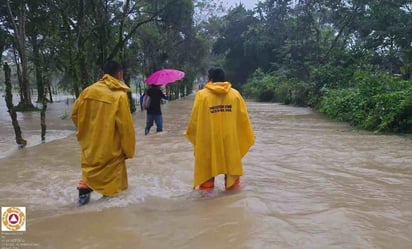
pixel 114 84
pixel 219 87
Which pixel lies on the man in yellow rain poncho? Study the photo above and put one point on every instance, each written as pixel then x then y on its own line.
pixel 106 134
pixel 220 131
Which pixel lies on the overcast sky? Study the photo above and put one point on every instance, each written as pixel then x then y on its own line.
pixel 249 4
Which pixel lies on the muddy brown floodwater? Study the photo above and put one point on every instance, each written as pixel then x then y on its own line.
pixel 309 183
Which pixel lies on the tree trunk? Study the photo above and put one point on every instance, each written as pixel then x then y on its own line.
pixel 40 84
pixel 75 76
pixel 18 71
pixel 84 74
pixel 25 84
pixel 9 102
pixel 43 113
pixel 38 68
pixel 126 78
pixel 49 90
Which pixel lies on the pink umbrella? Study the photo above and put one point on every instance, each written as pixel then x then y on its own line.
pixel 164 77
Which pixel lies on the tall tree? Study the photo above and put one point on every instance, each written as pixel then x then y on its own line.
pixel 238 64
pixel 18 20
pixel 12 111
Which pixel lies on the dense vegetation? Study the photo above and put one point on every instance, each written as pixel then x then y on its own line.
pixel 349 59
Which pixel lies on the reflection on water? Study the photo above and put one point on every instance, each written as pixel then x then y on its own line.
pixel 309 183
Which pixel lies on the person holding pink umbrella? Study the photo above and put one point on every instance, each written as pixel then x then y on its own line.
pixel 154 111
pixel 155 80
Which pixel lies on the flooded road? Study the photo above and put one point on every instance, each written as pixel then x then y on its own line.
pixel 309 183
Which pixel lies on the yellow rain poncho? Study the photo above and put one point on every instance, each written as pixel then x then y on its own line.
pixel 106 134
pixel 220 131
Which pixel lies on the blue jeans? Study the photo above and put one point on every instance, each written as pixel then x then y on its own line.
pixel 157 118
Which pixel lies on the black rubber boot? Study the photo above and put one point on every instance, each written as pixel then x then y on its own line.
pixel 84 196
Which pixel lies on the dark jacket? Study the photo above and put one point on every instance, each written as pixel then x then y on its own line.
pixel 156 96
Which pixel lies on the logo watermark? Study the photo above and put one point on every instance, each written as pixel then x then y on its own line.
pixel 13 219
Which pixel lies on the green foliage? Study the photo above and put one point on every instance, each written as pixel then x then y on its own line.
pixel 344 105
pixel 75 38
pixel 277 88
pixel 338 56
pixel 239 63
pixel 378 102
pixel 392 112
pixel 262 87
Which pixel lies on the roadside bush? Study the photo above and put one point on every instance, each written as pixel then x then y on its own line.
pixel 379 102
pixel 344 105
pixel 263 87
pixel 300 93
pixel 275 88
pixel 366 98
pixel 331 76
pixel 327 76
pixel 373 83
pixel 392 112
